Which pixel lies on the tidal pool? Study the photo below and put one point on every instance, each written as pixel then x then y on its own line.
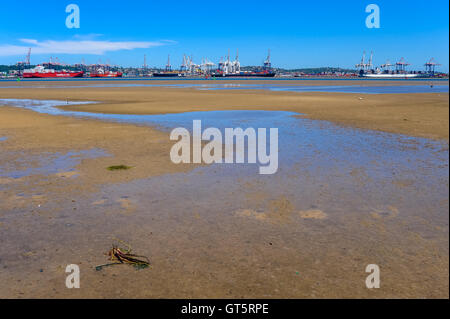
pixel 300 139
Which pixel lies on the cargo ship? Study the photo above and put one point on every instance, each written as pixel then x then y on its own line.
pixel 108 74
pixel 41 72
pixel 393 75
pixel 168 73
pixel 384 71
pixel 265 73
pixel 229 68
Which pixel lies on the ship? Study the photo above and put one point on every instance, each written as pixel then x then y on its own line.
pixel 167 73
pixel 264 73
pixel 106 74
pixel 229 68
pixel 393 75
pixel 41 72
pixel 366 70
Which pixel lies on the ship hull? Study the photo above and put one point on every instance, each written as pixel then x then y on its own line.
pixel 54 75
pixel 393 76
pixel 165 75
pixel 119 75
pixel 246 75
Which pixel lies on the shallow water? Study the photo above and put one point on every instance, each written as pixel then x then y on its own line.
pixel 46 163
pixel 3 138
pixel 344 89
pixel 299 138
pixel 396 89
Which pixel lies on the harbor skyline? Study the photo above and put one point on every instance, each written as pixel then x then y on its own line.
pixel 300 35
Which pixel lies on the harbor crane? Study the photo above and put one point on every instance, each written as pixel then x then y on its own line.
pixel 188 66
pixel 363 66
pixel 369 65
pixel 430 66
pixel 206 66
pixel 168 66
pixel 228 66
pixel 387 66
pixel 267 63
pixel 236 65
pixel 27 59
pixel 401 65
pixel 184 65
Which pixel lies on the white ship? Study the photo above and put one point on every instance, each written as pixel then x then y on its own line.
pixel 392 75
pixel 385 70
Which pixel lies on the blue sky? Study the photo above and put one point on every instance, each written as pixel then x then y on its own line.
pixel 299 33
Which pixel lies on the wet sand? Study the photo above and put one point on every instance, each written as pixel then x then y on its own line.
pixel 209 232
pixel 424 115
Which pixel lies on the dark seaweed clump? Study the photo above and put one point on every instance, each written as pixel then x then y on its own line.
pixel 118 167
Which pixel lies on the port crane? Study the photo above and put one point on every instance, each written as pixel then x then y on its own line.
pixel 228 66
pixel 206 66
pixel 369 65
pixel 184 65
pixel 267 64
pixel 363 66
pixel 27 59
pixel 168 66
pixel 188 66
pixel 430 66
pixel 387 66
pixel 236 65
pixel 401 65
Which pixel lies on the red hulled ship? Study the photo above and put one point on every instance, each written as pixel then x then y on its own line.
pixel 106 74
pixel 41 72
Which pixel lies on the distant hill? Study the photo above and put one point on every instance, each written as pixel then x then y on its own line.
pixel 303 70
pixel 7 68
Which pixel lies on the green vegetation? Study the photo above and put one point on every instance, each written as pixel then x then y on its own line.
pixel 7 68
pixel 118 167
